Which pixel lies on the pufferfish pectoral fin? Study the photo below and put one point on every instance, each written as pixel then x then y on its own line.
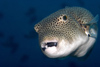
pixel 93 26
pixel 93 30
pixel 94 20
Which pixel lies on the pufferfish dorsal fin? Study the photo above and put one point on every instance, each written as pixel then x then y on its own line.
pixel 93 26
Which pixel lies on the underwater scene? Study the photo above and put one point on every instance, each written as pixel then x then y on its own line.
pixel 20 39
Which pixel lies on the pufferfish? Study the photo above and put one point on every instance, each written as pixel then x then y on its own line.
pixel 71 31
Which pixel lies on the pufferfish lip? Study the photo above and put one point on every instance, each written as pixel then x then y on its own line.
pixel 44 46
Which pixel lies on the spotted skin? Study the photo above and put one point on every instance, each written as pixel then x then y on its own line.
pixel 67 27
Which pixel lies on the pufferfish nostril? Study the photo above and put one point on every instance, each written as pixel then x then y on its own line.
pixel 50 44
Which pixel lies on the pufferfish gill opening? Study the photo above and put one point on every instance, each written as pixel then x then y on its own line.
pixel 71 31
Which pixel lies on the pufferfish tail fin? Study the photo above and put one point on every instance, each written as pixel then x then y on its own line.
pixel 93 26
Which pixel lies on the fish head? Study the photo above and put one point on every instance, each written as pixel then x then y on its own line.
pixel 59 34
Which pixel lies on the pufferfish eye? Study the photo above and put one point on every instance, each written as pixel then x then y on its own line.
pixel 64 17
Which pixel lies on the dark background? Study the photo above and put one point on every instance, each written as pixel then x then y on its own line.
pixel 19 45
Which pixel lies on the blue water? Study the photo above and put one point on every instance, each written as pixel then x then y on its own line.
pixel 19 45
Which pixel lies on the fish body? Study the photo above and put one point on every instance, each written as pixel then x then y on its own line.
pixel 71 31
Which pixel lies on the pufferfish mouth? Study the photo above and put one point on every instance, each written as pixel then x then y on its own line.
pixel 48 44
